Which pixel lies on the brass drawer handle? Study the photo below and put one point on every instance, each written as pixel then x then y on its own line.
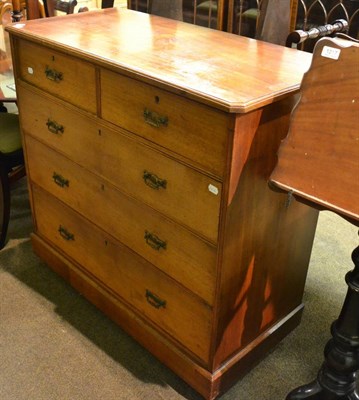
pixel 154 119
pixel 54 127
pixel 53 75
pixel 65 233
pixel 60 180
pixel 153 181
pixel 154 300
pixel 154 241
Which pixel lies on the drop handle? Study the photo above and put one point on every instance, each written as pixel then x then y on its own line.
pixel 66 234
pixel 154 119
pixel 154 241
pixel 60 180
pixel 154 300
pixel 153 181
pixel 54 127
pixel 53 75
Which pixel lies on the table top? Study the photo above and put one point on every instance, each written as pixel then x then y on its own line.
pixel 230 72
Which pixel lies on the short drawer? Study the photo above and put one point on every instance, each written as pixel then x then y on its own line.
pixel 64 76
pixel 157 297
pixel 193 130
pixel 182 193
pixel 169 246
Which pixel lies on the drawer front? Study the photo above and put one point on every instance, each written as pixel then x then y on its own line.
pixel 154 295
pixel 172 248
pixel 184 194
pixel 185 127
pixel 66 77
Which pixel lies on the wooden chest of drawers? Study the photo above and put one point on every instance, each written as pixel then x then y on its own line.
pixel 148 144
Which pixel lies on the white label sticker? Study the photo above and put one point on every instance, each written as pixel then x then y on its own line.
pixel 331 52
pixel 30 70
pixel 213 189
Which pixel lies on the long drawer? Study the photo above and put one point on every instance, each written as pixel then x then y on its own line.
pixel 172 188
pixel 68 78
pixel 153 294
pixel 169 246
pixel 183 126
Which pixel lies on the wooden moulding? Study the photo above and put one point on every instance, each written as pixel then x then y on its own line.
pixel 209 385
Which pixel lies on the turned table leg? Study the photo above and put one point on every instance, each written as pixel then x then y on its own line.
pixel 337 377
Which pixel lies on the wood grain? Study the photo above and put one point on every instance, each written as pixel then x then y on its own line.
pixel 227 71
pixel 200 213
pixel 193 130
pixel 267 240
pixel 77 84
pixel 186 257
pixel 319 159
pixel 237 253
pixel 127 275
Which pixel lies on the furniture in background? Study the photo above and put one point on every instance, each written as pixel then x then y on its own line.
pixel 312 14
pixel 5 53
pixel 16 9
pixel 318 163
pixel 11 154
pixel 52 8
pixel 274 21
pixel 34 9
pixel 7 95
pixel 209 13
pixel 269 20
pixel 11 166
pixel 243 17
pixel 298 37
pixel 148 185
pixel 167 8
pixel 64 6
pixel 5 8
pixel 57 7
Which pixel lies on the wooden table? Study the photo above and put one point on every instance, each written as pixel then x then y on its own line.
pixel 149 143
pixel 319 164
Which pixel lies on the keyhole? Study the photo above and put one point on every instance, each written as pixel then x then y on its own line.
pixel 157 99
pixel 53 58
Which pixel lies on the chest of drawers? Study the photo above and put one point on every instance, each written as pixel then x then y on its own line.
pixel 148 150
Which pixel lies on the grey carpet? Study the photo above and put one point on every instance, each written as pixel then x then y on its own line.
pixel 54 345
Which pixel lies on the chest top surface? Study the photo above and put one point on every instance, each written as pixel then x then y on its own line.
pixel 234 73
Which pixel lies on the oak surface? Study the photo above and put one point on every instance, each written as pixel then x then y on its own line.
pixel 111 262
pixel 188 259
pixel 234 73
pixel 153 201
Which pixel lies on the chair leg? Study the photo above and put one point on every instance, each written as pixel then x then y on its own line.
pixel 4 205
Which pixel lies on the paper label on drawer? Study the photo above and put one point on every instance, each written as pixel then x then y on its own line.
pixel 30 70
pixel 213 189
pixel 331 52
